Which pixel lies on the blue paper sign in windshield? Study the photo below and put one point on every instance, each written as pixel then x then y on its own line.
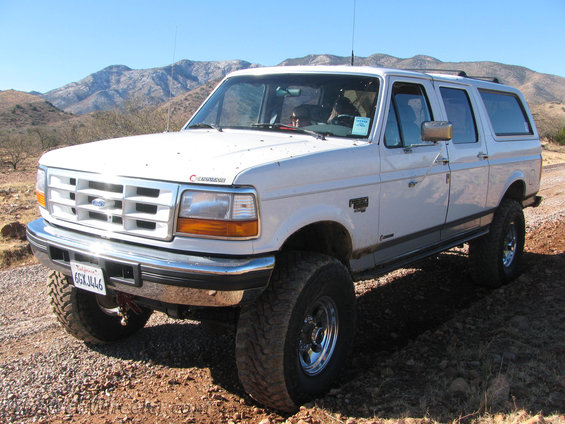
pixel 361 126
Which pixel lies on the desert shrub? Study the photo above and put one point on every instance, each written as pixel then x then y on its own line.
pixel 559 137
pixel 131 119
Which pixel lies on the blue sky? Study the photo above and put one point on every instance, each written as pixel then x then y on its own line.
pixel 46 44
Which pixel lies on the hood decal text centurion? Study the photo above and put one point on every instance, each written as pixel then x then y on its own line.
pixel 198 179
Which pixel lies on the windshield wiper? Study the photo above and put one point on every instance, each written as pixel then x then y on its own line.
pixel 203 125
pixel 276 125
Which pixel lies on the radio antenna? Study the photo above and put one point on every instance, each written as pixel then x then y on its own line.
pixel 353 33
pixel 171 82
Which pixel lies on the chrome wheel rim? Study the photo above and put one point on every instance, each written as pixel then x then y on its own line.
pixel 318 336
pixel 509 246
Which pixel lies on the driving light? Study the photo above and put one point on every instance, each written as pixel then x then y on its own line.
pixel 218 214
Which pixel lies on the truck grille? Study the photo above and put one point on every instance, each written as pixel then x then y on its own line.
pixel 123 205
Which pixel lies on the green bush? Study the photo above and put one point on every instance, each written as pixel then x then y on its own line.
pixel 559 137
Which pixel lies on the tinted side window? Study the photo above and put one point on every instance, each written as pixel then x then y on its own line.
pixel 460 114
pixel 506 113
pixel 408 109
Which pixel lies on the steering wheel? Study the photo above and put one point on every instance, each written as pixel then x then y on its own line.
pixel 343 120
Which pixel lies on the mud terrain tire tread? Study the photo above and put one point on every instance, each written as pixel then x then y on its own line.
pixel 486 252
pixel 79 314
pixel 262 331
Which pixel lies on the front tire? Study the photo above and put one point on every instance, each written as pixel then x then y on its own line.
pixel 293 342
pixel 497 256
pixel 87 316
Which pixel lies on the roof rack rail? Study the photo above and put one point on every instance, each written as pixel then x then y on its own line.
pixel 457 72
pixel 489 79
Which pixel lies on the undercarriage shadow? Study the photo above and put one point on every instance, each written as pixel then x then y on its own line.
pixel 402 338
pixel 182 344
pixel 393 312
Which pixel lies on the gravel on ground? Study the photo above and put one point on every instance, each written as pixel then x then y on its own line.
pixel 430 347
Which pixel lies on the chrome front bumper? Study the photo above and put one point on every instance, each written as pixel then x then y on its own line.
pixel 166 276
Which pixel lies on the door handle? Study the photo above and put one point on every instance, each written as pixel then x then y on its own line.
pixel 442 160
pixel 483 156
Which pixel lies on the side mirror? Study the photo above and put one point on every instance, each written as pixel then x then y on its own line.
pixel 436 131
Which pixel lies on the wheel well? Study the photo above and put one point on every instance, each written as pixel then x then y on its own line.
pixel 516 191
pixel 329 238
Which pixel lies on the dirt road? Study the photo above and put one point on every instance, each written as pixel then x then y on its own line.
pixel 430 347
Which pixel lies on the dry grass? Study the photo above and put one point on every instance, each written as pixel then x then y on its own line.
pixel 17 204
pixel 549 117
pixel 552 153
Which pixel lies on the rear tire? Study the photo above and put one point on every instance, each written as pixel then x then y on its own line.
pixel 293 342
pixel 87 317
pixel 496 257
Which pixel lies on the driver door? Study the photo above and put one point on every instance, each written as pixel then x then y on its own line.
pixel 414 176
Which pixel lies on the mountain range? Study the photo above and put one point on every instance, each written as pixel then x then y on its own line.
pixel 116 85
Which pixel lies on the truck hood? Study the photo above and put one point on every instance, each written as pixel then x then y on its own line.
pixel 199 156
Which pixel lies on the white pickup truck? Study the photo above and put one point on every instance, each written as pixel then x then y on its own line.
pixel 285 183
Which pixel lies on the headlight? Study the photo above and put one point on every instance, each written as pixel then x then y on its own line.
pixel 218 214
pixel 40 187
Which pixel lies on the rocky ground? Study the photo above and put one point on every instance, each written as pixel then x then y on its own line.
pixel 430 347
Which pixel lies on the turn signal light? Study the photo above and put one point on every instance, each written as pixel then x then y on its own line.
pixel 40 198
pixel 218 228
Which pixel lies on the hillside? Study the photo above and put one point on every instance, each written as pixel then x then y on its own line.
pixel 537 87
pixel 549 117
pixel 19 110
pixel 117 85
pixel 184 106
pixel 139 100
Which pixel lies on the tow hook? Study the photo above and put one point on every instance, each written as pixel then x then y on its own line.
pixel 125 306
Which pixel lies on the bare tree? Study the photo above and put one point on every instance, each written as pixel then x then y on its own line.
pixel 15 149
pixel 46 138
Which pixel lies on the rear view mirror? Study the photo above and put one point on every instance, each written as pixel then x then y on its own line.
pixel 436 131
pixel 288 92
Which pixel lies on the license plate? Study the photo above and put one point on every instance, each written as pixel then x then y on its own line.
pixel 88 278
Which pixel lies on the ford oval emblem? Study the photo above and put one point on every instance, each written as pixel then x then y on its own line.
pixel 99 202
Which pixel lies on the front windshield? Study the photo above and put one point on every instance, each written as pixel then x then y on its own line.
pixel 329 105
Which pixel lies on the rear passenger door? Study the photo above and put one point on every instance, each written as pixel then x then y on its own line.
pixel 468 160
